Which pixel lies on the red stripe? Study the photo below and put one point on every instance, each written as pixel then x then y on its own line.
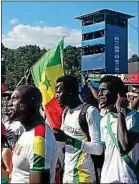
pixel 54 113
pixel 40 130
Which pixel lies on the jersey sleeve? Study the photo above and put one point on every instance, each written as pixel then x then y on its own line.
pixel 37 153
pixel 93 119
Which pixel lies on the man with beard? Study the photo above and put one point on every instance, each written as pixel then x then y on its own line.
pixel 79 167
pixel 119 134
pixel 13 126
pixel 35 153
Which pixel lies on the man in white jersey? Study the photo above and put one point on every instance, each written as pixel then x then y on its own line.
pixel 111 91
pixel 79 166
pixel 14 128
pixel 35 153
pixel 125 128
pixel 14 131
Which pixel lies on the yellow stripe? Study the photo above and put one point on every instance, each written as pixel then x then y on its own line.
pixel 47 94
pixel 52 73
pixel 39 146
pixel 84 176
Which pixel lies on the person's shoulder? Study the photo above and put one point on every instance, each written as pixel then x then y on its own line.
pixel 16 124
pixel 91 109
pixel 17 127
pixel 6 149
pixel 40 129
pixel 93 115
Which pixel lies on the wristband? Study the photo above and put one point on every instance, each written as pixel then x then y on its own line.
pixel 121 110
pixel 74 142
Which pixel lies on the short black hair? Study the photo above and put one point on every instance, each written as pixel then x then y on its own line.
pixel 70 83
pixel 116 84
pixel 30 93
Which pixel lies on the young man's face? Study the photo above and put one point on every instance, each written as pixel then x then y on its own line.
pixel 61 94
pixel 105 95
pixel 15 107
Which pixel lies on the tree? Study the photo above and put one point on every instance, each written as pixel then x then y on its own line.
pixel 72 61
pixel 3 66
pixel 18 61
pixel 134 58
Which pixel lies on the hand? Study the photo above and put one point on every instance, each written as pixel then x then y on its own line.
pixel 121 102
pixel 60 135
pixel 89 84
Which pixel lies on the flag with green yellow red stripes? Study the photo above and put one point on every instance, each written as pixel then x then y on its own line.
pixel 45 72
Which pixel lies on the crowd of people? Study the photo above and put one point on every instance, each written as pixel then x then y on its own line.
pixel 98 141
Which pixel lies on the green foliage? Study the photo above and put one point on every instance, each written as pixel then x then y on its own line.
pixel 134 58
pixel 16 62
pixel 4 51
pixel 72 61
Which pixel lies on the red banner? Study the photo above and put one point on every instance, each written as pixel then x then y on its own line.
pixel 132 78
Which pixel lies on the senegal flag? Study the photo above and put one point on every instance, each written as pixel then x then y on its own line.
pixel 45 72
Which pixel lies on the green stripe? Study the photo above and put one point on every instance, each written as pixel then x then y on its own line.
pixel 75 170
pixel 78 144
pixel 101 142
pixel 38 163
pixel 51 58
pixel 4 181
pixel 40 171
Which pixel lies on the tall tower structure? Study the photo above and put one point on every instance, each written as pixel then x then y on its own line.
pixel 104 42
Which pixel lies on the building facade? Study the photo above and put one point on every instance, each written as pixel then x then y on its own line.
pixel 105 42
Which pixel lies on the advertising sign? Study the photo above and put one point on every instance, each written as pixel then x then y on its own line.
pixel 126 78
pixel 116 53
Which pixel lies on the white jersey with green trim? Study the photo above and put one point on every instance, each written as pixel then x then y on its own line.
pixel 78 164
pixel 36 151
pixel 114 169
pixel 16 129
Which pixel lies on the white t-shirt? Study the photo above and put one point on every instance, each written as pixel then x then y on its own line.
pixel 35 151
pixel 78 164
pixel 114 169
pixel 16 129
